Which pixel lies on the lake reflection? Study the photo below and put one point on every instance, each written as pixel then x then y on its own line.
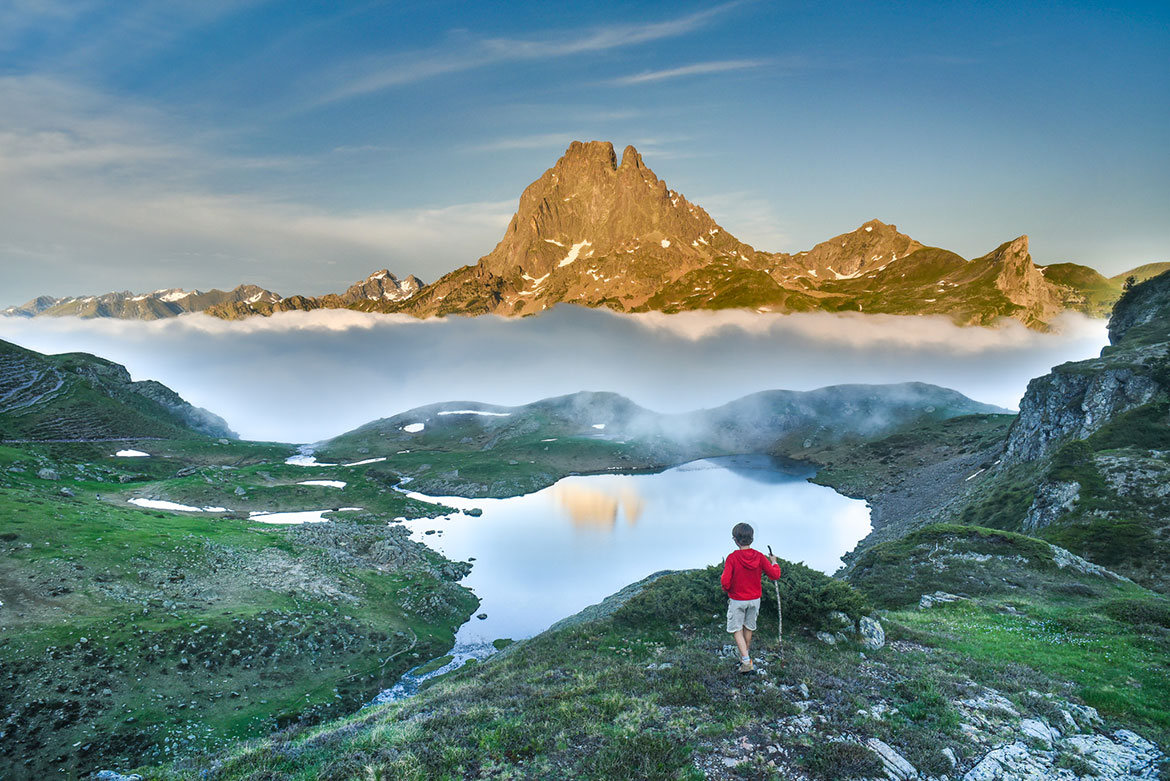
pixel 546 555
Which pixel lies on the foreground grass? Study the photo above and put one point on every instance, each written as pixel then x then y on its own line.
pixel 131 634
pixel 647 692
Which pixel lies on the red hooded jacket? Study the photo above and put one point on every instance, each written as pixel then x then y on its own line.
pixel 741 573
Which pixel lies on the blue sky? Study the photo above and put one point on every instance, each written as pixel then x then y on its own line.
pixel 303 145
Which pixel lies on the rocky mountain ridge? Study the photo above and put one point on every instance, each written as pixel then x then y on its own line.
pixel 126 305
pixel 80 397
pixel 593 231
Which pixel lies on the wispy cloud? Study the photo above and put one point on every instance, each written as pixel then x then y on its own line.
pixel 123 197
pixel 372 75
pixel 536 141
pixel 697 69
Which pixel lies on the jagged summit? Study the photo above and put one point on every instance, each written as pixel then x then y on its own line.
pixel 593 231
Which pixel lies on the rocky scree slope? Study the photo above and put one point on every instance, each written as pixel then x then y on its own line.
pixel 78 397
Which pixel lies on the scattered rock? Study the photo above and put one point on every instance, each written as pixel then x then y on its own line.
pixel 481 616
pixel 873 636
pixel 826 638
pixel 839 620
pixel 66 491
pixel 896 766
pixel 48 474
pixel 937 598
pixel 1034 728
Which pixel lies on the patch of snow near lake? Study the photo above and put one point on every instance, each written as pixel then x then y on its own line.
pixel 371 460
pixel 476 412
pixel 573 252
pixel 330 483
pixel 413 428
pixel 301 516
pixel 304 459
pixel 160 504
pixel 131 454
pixel 599 426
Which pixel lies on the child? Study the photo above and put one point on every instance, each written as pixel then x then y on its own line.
pixel 741 582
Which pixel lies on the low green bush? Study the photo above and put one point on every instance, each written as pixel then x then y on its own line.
pixel 1138 611
pixel 692 597
pixel 840 760
pixel 1104 541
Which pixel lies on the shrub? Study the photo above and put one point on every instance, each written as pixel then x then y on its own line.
pixel 1138 611
pixel 643 755
pixel 834 760
pixel 693 596
pixel 1105 540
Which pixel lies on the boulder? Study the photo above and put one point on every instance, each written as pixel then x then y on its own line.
pixel 48 474
pixel 896 766
pixel 873 636
pixel 937 598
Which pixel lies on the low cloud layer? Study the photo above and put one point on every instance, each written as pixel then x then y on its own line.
pixel 301 377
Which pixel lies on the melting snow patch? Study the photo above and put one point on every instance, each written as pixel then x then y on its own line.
pixel 476 412
pixel 302 516
pixel 413 428
pixel 554 241
pixel 131 454
pixel 573 252
pixel 554 439
pixel 981 471
pixel 330 483
pixel 371 460
pixel 159 504
pixel 665 243
pixel 868 228
pixel 599 426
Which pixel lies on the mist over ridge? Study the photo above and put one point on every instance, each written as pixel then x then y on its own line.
pixel 307 376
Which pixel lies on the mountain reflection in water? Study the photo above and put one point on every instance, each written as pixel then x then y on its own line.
pixel 545 555
pixel 596 507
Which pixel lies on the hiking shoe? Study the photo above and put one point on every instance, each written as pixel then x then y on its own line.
pixel 747 667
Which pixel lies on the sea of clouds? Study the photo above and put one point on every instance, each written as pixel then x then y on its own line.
pixel 307 376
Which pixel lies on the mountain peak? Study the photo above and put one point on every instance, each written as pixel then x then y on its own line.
pixel 594 153
pixel 631 158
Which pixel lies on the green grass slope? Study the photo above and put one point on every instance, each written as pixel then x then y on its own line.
pixel 78 396
pixel 128 633
pixel 641 687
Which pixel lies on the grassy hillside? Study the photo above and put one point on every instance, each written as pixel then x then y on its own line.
pixel 78 396
pixel 641 687
pixel 505 451
pixel 130 633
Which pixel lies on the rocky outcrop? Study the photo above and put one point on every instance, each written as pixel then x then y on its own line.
pixel 1077 399
pixel 1052 501
pixel 1146 304
pixel 1023 284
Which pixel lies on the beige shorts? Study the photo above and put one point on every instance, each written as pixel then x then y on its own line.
pixel 741 614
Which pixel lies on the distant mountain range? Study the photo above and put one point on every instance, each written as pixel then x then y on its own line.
pixel 596 233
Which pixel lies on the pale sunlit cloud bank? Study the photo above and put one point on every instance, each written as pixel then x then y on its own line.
pixel 301 377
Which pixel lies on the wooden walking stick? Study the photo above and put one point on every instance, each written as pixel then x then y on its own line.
pixel 779 613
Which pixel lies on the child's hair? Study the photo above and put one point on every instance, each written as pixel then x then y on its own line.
pixel 743 534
